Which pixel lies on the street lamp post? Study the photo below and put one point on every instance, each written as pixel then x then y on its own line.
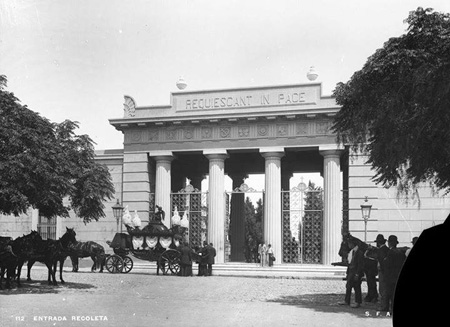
pixel 365 211
pixel 117 212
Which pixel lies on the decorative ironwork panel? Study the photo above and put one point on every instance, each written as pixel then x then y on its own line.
pixel 312 237
pixel 302 214
pixel 191 204
pixel 151 206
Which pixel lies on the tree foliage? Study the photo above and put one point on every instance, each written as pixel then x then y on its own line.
pixel 396 109
pixel 44 164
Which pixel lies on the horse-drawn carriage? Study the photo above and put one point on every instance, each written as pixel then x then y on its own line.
pixel 154 242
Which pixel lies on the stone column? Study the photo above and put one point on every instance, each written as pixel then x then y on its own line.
pixel 272 200
pixel 136 184
pixel 163 161
pixel 332 206
pixel 237 220
pixel 216 207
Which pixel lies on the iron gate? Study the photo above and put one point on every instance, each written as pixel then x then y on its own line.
pixel 302 214
pixel 192 205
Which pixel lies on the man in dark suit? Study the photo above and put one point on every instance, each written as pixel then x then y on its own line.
pixel 355 271
pixel 422 279
pixel 381 255
pixel 186 259
pixel 391 267
pixel 211 256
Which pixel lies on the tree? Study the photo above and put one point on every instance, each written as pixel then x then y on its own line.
pixel 44 164
pixel 396 108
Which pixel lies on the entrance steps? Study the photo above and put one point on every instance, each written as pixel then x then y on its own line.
pixel 238 269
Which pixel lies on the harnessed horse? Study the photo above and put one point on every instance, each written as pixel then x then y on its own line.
pixel 87 249
pixel 59 252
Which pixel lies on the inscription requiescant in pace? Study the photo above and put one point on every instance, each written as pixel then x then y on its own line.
pixel 215 102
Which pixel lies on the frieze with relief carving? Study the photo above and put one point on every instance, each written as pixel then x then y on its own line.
pixel 323 127
pixel 225 132
pixel 244 131
pixel 263 130
pixel 302 128
pixel 188 133
pixel 282 130
pixel 153 135
pixel 217 132
pixel 171 134
pixel 207 132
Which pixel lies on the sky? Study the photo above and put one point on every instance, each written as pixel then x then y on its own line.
pixel 76 59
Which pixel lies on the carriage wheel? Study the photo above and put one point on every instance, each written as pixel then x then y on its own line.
pixel 114 264
pixel 171 258
pixel 127 264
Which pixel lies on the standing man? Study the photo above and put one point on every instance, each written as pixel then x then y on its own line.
pixel 185 260
pixel 354 274
pixel 414 240
pixel 392 265
pixel 381 255
pixel 211 256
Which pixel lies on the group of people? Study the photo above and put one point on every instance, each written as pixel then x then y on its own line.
pixel 265 255
pixel 203 256
pixel 386 261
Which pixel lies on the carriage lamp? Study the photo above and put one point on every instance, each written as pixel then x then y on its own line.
pixel 365 211
pixel 117 212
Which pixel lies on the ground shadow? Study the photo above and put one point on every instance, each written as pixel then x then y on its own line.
pixel 42 287
pixel 330 303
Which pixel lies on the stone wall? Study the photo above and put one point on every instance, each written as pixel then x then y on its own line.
pixel 391 214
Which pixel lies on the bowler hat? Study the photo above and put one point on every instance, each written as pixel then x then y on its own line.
pixel 392 239
pixel 380 238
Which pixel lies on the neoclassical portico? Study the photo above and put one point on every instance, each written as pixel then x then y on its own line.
pixel 273 131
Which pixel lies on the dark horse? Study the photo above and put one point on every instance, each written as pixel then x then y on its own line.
pixel 370 263
pixel 28 247
pixel 8 261
pixel 59 252
pixel 87 249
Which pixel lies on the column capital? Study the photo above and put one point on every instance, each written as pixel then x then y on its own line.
pixel 336 153
pixel 162 155
pixel 331 150
pixel 272 152
pixel 219 154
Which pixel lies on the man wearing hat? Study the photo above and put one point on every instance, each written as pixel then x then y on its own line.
pixel 381 255
pixel 414 240
pixel 391 267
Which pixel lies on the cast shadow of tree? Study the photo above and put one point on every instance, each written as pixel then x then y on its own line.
pixel 42 287
pixel 329 303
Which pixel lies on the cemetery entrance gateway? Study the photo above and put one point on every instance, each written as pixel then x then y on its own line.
pixel 272 129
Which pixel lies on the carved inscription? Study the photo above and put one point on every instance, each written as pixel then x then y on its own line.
pixel 246 100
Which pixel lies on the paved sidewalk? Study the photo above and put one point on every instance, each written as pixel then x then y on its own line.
pixel 141 298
